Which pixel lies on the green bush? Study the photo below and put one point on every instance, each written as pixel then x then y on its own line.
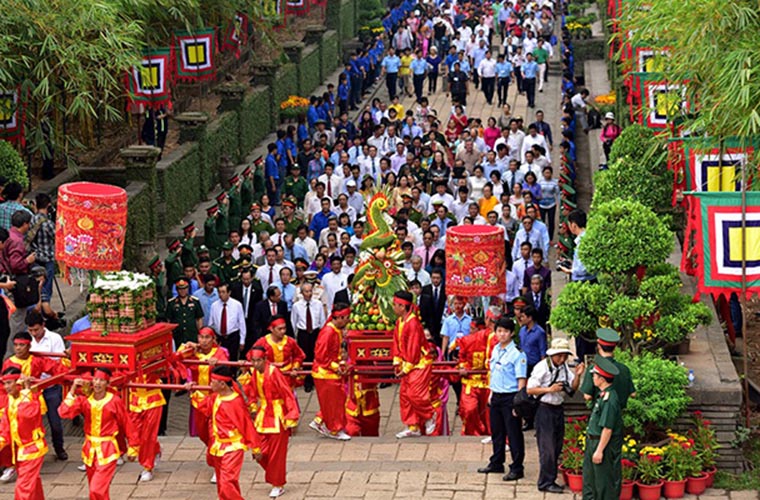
pixel 579 307
pixel 12 167
pixel 638 143
pixel 623 235
pixel 651 184
pixel 660 392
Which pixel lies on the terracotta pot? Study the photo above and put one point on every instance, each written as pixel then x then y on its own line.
pixel 626 490
pixel 575 482
pixel 697 485
pixel 711 476
pixel 649 491
pixel 674 489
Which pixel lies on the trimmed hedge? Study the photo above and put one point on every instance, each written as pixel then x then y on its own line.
pixel 179 183
pixel 285 84
pixel 347 15
pixel 221 139
pixel 253 125
pixel 308 74
pixel 139 210
pixel 330 50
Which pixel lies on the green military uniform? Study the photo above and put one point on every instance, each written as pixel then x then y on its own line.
pixel 188 253
pixel 246 189
pixel 210 239
pixel 297 188
pixel 415 216
pixel 236 204
pixel 159 280
pixel 225 270
pixel 185 314
pixel 291 227
pixel 223 223
pixel 602 481
pixel 259 183
pixel 261 225
pixel 173 263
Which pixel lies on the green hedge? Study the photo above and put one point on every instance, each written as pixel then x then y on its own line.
pixel 330 52
pixel 347 19
pixel 139 210
pixel 179 184
pixel 221 139
pixel 254 122
pixel 308 74
pixel 285 84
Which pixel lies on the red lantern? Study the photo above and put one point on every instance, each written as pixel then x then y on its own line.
pixel 91 224
pixel 475 263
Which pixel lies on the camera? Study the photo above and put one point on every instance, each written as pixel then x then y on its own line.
pixel 564 263
pixel 567 389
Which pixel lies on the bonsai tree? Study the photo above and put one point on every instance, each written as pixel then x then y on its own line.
pixel 11 165
pixel 633 178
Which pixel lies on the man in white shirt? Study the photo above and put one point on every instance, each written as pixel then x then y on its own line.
pixel 355 200
pixel 440 196
pixel 515 141
pixel 532 138
pixel 332 228
pixel 460 205
pixel 228 321
pixel 307 318
pixel 343 207
pixel 487 72
pixel 305 241
pixel 332 181
pixel 313 203
pixel 417 273
pixel 333 281
pixel 43 340
pixel 270 271
pixel 398 158
pixel 278 237
pixel 371 165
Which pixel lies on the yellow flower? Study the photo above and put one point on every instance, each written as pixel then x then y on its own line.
pixel 631 442
pixel 637 335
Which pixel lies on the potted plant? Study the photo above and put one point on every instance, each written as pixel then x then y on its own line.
pixel 649 473
pixel 293 107
pixel 679 462
pixel 629 476
pixel 706 446
pixel 572 461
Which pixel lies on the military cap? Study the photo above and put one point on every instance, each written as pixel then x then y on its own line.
pixel 234 179
pixel 175 245
pixel 154 262
pixel 202 249
pixel 227 245
pixel 221 196
pixel 255 206
pixel 604 367
pixel 189 228
pixel 212 210
pixel 607 336
pixel 289 203
pixel 258 161
pixel 182 283
pixel 569 205
pixel 247 171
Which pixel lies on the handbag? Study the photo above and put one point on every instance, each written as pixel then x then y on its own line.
pixel 524 404
pixel 26 292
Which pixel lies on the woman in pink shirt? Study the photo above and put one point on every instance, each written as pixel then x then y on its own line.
pixel 491 133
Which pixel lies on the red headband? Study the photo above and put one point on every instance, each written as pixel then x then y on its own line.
pixel 602 373
pixel 22 341
pixel 11 376
pixel 256 354
pixel 399 300
pixel 277 322
pixel 341 312
pixel 101 374
pixel 223 378
pixel 207 331
pixel 606 342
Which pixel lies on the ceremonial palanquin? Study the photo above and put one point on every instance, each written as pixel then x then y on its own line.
pixel 122 302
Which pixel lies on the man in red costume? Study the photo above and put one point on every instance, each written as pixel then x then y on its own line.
pixel 412 363
pixel 145 407
pixel 362 408
pixel 105 428
pixel 282 351
pixel 203 350
pixel 271 398
pixel 474 351
pixel 30 366
pixel 231 431
pixel 328 371
pixel 21 430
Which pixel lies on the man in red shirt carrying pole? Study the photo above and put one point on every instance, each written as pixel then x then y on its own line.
pixel 414 366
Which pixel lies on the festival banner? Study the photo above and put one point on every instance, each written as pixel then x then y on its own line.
pixel 713 242
pixel 236 35
pixel 712 166
pixel 297 7
pixel 661 100
pixel 195 55
pixel 11 116
pixel 274 11
pixel 148 83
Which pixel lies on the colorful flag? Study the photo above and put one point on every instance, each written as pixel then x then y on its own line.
pixel 11 116
pixel 711 166
pixel 148 83
pixel 236 35
pixel 661 100
pixel 195 55
pixel 297 7
pixel 274 10
pixel 713 242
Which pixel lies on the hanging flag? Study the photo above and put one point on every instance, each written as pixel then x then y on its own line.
pixel 195 55
pixel 296 7
pixel 236 35
pixel 148 83
pixel 713 242
pixel 274 11
pixel 11 116
pixel 661 100
pixel 710 166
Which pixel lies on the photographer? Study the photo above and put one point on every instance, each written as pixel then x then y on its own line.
pixel 550 381
pixel 41 239
pixel 6 284
pixel 15 261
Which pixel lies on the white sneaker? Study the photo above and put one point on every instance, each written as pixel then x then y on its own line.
pixel 146 476
pixel 120 461
pixel 342 436
pixel 213 479
pixel 430 425
pixel 319 427
pixel 8 476
pixel 486 440
pixel 276 491
pixel 407 433
pixel 82 467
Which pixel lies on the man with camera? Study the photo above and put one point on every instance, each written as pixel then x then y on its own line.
pixel 15 261
pixel 41 239
pixel 551 379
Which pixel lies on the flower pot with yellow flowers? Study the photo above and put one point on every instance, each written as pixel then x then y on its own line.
pixel 649 473
pixel 293 107
pixel 680 460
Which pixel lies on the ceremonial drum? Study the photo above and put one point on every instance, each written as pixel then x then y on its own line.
pixel 475 261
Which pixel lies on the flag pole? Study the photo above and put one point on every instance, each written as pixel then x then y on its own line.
pixel 743 298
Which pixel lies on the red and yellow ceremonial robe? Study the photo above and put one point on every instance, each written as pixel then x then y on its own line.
pixel 329 383
pixel 411 359
pixel 474 351
pixel 285 355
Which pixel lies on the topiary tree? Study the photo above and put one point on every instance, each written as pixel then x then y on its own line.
pixel 12 167
pixel 623 235
pixel 579 308
pixel 638 142
pixel 632 178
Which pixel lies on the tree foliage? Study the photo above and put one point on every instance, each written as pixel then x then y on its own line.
pixel 11 165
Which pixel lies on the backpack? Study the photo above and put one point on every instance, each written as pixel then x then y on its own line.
pixel 594 119
pixel 524 404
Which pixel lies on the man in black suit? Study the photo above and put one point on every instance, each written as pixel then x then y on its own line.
pixel 272 305
pixel 345 295
pixel 248 292
pixel 433 304
pixel 536 297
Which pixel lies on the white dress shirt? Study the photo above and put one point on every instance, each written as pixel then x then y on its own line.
pixel 262 273
pixel 336 185
pixel 487 68
pixel 422 276
pixel 332 283
pixel 50 342
pixel 298 315
pixel 309 245
pixel 542 376
pixel 235 318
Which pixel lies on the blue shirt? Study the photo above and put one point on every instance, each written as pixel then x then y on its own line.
pixel 81 324
pixel 343 92
pixel 478 55
pixel 297 251
pixel 206 300
pixel 579 270
pixel 533 343
pixel 464 65
pixel 507 365
pixel 418 66
pixel 391 63
pixel 282 151
pixel 319 222
pixel 504 69
pixel 456 328
pixel 288 293
pixel 530 69
pixel 271 169
pixel 450 60
pixel 194 286
pixel 312 115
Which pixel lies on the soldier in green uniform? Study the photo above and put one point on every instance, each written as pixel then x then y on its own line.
pixel 210 239
pixel 606 341
pixel 223 218
pixel 173 262
pixel 188 246
pixel 257 223
pixel 236 205
pixel 159 280
pixel 224 266
pixel 289 214
pixel 259 183
pixel 186 311
pixel 246 187
pixel 295 185
pixel 601 480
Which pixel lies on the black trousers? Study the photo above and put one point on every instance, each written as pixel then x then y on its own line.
pixel 529 84
pixel 550 431
pixel 502 86
pixel 476 78
pixel 53 397
pixel 488 88
pixel 459 97
pixel 418 81
pixel 519 78
pixel 549 217
pixel 505 425
pixel 432 82
pixel 391 82
pixel 231 342
pixel 306 341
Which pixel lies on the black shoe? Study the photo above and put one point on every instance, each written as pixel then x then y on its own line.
pixel 61 455
pixel 513 476
pixel 308 388
pixel 528 427
pixel 491 470
pixel 553 488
